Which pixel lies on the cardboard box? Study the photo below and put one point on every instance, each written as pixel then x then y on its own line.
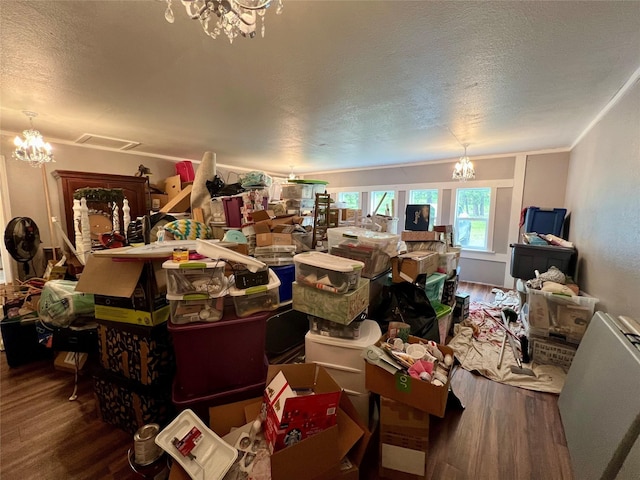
pixel 66 361
pixel 404 441
pixel 408 266
pixel 315 458
pixel 409 391
pixel 291 417
pixel 419 236
pixel 129 291
pixel 173 186
pixel 339 308
pixel 159 200
pixel 266 239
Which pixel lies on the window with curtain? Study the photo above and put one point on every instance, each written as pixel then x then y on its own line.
pixel 424 197
pixel 472 215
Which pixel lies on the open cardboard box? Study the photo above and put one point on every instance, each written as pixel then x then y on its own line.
pixel 129 291
pixel 408 266
pixel 316 458
pixel 402 388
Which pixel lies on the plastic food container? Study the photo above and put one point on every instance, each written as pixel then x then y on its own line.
pixel 262 298
pixel 327 272
pixel 195 276
pixel 197 307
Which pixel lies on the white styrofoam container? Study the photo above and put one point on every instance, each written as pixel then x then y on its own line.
pixel 327 272
pixel 262 298
pixel 195 276
pixel 341 356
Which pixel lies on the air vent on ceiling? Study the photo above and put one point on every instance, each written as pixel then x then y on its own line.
pixel 106 142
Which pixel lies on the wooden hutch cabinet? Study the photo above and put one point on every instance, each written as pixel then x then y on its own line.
pixel 68 182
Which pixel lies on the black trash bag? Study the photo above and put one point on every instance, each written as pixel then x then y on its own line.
pixel 408 303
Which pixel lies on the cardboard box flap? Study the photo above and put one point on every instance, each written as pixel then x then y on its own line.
pixel 317 454
pixel 104 276
pixel 348 433
pixel 324 382
pixel 358 451
pixel 223 418
pixel 300 376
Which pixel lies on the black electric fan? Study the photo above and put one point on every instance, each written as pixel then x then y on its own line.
pixel 22 239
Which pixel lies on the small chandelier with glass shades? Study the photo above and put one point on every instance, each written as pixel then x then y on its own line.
pixel 229 17
pixel 32 148
pixel 463 170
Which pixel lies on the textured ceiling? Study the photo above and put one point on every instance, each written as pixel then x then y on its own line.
pixel 334 84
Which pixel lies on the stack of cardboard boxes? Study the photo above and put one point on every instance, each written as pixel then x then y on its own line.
pixel 133 387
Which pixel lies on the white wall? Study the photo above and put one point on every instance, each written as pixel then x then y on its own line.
pixel 603 194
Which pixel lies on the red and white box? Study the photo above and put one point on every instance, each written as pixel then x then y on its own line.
pixel 293 415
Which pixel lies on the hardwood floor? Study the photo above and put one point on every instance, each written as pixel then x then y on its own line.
pixel 503 433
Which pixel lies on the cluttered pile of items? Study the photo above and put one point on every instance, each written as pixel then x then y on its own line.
pixel 545 318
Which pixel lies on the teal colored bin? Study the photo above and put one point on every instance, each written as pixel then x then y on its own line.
pixel 434 286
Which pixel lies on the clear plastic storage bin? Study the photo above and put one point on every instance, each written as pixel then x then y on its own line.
pixel 276 255
pixel 195 276
pixel 262 298
pixel 382 241
pixel 559 316
pixel 196 307
pixel 322 326
pixel 297 191
pixel 327 272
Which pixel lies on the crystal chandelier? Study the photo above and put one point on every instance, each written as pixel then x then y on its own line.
pixel 231 17
pixel 463 170
pixel 32 148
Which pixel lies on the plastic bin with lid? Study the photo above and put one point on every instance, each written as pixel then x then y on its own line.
pixel 219 356
pixel 544 220
pixel 434 286
pixel 262 298
pixel 342 357
pixel 560 316
pixel 327 328
pixel 195 307
pixel 195 276
pixel 375 260
pixel 287 275
pixel 383 241
pixel 327 272
pixel 443 315
pixel 276 255
pixel 526 259
pixel 296 191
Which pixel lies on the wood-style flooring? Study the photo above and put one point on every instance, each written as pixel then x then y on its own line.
pixel 503 433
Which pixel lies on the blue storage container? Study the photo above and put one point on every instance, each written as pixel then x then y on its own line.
pixel 544 220
pixel 287 275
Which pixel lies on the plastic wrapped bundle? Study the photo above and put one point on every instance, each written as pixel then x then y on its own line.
pixel 60 304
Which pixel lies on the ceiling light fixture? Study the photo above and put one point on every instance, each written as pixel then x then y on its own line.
pixel 463 170
pixel 292 176
pixel 32 148
pixel 231 17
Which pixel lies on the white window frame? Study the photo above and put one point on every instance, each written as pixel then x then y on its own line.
pixel 492 213
pixel 372 205
pixel 353 190
pixel 438 209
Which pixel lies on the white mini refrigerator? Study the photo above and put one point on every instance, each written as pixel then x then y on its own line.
pixel 600 404
pixel 341 358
